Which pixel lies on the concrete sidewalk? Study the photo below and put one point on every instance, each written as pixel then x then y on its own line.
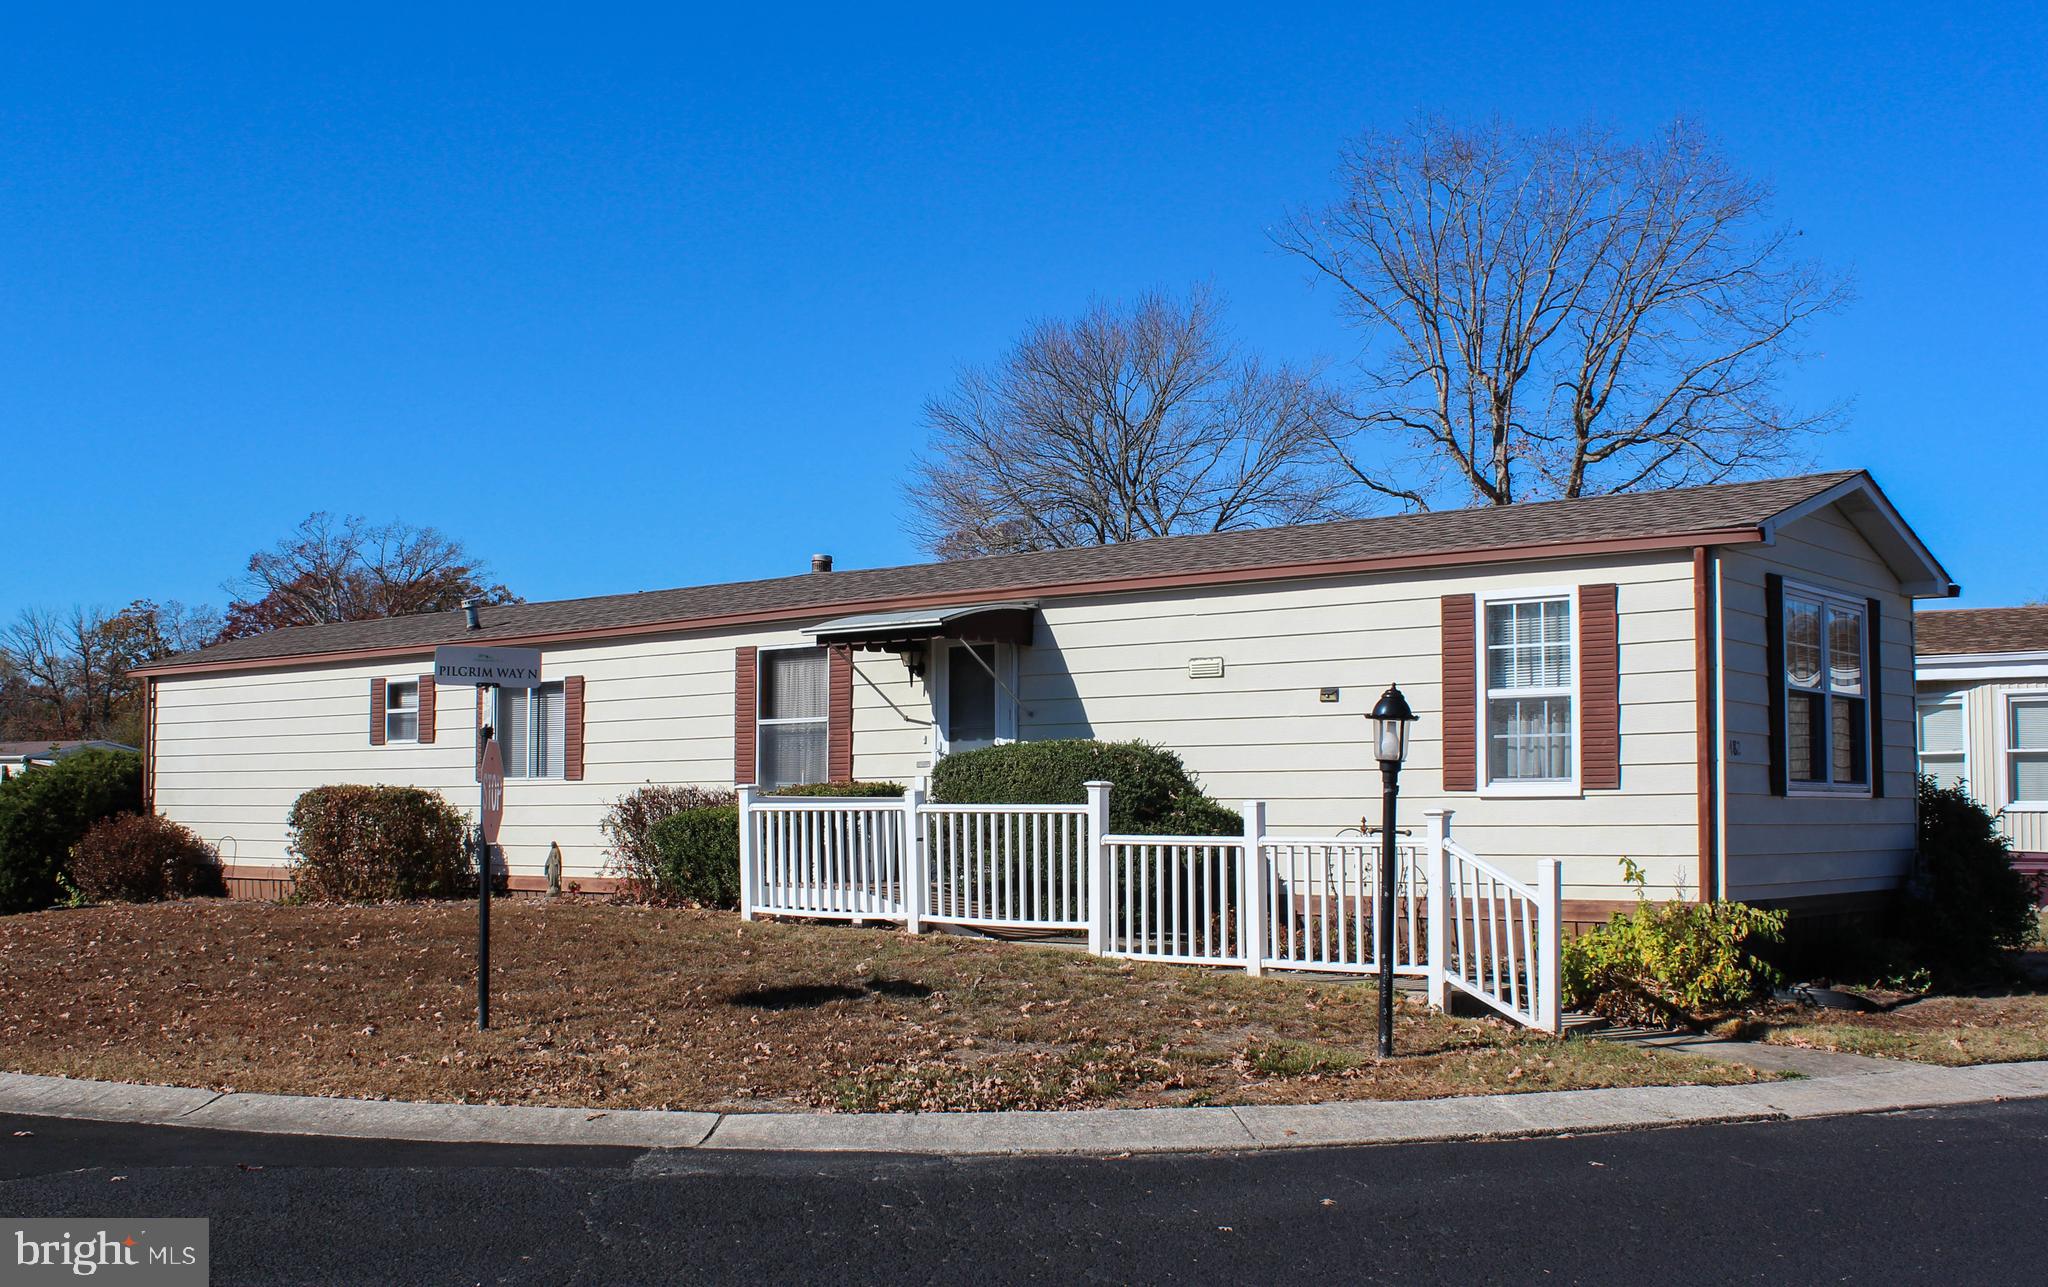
pixel 1095 1131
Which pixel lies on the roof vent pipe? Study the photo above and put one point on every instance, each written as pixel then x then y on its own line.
pixel 469 614
pixel 821 563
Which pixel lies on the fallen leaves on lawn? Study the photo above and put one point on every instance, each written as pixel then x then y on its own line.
pixel 604 1006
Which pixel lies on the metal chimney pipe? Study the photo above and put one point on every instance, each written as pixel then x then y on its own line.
pixel 469 614
pixel 821 563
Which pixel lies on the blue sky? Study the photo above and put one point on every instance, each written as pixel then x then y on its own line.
pixel 687 279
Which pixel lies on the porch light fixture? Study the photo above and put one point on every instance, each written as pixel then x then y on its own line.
pixel 1390 720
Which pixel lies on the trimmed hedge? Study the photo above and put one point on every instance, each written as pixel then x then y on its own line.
pixel 836 789
pixel 47 810
pixel 700 856
pixel 634 861
pixel 1153 792
pixel 366 844
pixel 141 858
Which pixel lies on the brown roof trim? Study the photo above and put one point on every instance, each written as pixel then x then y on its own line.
pixel 1120 585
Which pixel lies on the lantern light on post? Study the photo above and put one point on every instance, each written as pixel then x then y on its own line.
pixel 1390 720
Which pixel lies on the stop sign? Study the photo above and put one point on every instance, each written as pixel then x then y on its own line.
pixel 491 773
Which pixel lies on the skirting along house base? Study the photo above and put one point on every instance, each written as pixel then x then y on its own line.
pixel 1715 684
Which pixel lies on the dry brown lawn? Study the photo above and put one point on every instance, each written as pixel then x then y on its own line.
pixel 1939 1030
pixel 613 1006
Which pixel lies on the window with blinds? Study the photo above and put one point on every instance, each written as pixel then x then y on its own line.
pixel 402 711
pixel 1943 754
pixel 1827 708
pixel 792 715
pixel 1530 728
pixel 2026 752
pixel 532 731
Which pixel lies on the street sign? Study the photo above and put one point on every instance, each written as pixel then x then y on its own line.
pixel 483 667
pixel 491 773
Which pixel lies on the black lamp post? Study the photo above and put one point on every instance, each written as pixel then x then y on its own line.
pixel 1390 721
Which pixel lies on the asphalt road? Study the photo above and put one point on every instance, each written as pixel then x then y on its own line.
pixel 1948 1196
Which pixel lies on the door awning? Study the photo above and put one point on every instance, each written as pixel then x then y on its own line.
pixel 894 631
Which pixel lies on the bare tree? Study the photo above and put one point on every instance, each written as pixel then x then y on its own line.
pixel 65 675
pixel 1560 314
pixel 347 569
pixel 1130 421
pixel 43 676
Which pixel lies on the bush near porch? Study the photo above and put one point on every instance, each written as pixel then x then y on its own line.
pixel 1154 792
pixel 614 1005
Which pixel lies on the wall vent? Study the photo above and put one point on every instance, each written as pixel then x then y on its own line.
pixel 1205 668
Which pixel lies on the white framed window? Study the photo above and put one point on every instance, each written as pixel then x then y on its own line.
pixel 974 703
pixel 1944 738
pixel 1530 698
pixel 791 711
pixel 2026 752
pixel 402 710
pixel 1827 697
pixel 532 731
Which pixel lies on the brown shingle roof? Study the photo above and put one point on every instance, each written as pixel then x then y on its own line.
pixel 1971 630
pixel 1649 516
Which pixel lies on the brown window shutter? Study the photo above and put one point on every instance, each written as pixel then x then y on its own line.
pixel 483 717
pixel 1599 688
pixel 1461 693
pixel 1774 676
pixel 743 679
pixel 839 713
pixel 376 712
pixel 1874 685
pixel 426 708
pixel 572 728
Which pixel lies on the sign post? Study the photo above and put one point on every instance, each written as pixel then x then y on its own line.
pixel 490 777
pixel 487 670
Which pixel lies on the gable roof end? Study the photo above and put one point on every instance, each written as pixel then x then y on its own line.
pixel 1871 511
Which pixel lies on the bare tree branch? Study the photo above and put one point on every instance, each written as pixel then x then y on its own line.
pixel 1560 314
pixel 1128 422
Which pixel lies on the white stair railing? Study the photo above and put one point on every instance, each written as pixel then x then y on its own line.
pixel 1494 937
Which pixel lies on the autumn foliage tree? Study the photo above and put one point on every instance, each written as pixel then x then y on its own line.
pixel 348 569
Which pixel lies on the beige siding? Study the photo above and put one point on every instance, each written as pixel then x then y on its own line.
pixel 235 750
pixel 1118 668
pixel 1984 715
pixel 1791 846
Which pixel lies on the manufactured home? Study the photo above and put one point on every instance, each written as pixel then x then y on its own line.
pixel 1715 683
pixel 1983 715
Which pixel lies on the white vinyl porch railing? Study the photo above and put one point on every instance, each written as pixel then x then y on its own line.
pixel 999 865
pixel 831 858
pixel 1255 900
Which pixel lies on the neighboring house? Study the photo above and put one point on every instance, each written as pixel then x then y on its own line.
pixel 1714 682
pixel 19 757
pixel 1982 675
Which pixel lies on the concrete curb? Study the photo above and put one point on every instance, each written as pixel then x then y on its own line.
pixel 1091 1131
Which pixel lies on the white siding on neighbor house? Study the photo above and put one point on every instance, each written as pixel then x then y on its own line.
pixel 234 750
pixel 1986 716
pixel 1795 846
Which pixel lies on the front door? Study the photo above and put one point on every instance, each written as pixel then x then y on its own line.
pixel 973 709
